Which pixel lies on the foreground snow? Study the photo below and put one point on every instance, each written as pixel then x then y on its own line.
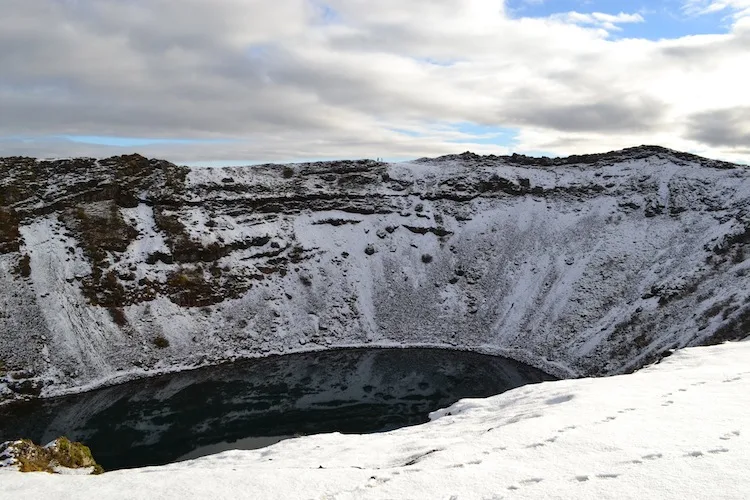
pixel 676 430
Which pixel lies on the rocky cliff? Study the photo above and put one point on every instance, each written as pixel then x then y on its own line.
pixel 587 265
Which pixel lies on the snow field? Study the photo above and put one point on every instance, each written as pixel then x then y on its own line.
pixel 676 430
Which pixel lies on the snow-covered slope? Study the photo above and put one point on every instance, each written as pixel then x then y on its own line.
pixel 677 430
pixel 587 265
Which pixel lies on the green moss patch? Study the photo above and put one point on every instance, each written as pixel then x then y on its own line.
pixel 30 457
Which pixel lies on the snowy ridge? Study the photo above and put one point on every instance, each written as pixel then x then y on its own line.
pixel 677 430
pixel 593 265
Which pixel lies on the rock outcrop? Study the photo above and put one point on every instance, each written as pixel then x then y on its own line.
pixel 59 456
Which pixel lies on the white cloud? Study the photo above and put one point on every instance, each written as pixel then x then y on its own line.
pixel 290 80
pixel 738 8
pixel 607 22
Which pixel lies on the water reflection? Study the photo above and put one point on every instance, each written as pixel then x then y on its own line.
pixel 252 404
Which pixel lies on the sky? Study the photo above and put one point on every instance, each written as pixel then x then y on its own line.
pixel 248 81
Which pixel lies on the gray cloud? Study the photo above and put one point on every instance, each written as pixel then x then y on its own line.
pixel 616 113
pixel 282 80
pixel 721 128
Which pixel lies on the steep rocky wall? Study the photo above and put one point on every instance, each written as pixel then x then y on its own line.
pixel 588 265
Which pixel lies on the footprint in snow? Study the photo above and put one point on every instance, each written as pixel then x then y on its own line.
pixel 566 429
pixel 526 482
pixel 533 480
pixel 730 435
pixel 607 476
pixel 535 445
pixel 583 478
pixel 560 399
pixel 652 456
pixel 735 379
pixel 715 451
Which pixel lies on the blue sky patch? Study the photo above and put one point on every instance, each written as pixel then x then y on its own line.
pixel 258 51
pixel 484 134
pixel 326 14
pixel 410 133
pixel 437 62
pixel 662 19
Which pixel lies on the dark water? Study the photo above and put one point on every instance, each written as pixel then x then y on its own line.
pixel 256 403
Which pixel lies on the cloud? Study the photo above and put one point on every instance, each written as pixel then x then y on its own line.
pixel 607 22
pixel 738 8
pixel 602 116
pixel 722 128
pixel 347 78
